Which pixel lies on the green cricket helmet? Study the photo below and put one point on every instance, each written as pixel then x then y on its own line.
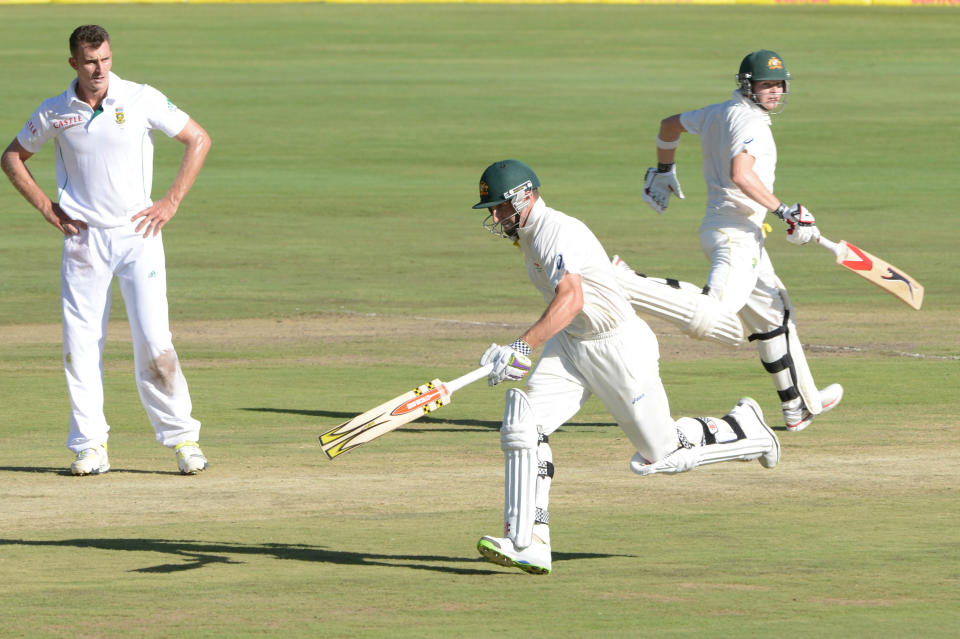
pixel 505 180
pixel 759 66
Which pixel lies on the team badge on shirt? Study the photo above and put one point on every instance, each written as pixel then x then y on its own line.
pixel 119 116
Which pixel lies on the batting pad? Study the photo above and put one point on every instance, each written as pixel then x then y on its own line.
pixel 519 440
pixel 682 304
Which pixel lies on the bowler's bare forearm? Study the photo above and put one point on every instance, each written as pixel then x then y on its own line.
pixel 14 165
pixel 197 144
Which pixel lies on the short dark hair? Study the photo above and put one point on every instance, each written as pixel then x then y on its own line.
pixel 89 34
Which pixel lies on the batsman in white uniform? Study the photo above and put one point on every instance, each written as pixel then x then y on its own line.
pixel 593 344
pixel 103 128
pixel 743 298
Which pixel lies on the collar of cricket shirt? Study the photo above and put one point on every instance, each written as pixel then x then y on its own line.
pixel 533 218
pixel 753 105
pixel 113 91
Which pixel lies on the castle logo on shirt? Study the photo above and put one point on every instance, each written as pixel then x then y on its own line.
pixel 67 122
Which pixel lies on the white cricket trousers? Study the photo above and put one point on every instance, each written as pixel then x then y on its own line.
pixel 622 368
pixel 91 259
pixel 742 277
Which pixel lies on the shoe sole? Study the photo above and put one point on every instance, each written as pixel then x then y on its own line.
pixel 194 471
pixel 187 467
pixel 492 554
pixel 95 471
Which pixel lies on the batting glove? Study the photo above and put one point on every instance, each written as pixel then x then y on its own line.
pixel 509 362
pixel 658 184
pixel 801 227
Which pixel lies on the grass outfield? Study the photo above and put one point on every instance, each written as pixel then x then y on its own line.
pixel 327 259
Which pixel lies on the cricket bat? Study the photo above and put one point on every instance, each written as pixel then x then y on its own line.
pixel 885 275
pixel 390 415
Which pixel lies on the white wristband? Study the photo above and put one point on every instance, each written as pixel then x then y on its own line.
pixel 667 146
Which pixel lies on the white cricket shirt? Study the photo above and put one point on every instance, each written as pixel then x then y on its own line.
pixel 104 159
pixel 726 130
pixel 554 244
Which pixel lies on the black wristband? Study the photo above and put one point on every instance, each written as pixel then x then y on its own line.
pixel 664 168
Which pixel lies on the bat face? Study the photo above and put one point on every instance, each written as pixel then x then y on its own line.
pixel 398 411
pixel 884 275
pixel 384 418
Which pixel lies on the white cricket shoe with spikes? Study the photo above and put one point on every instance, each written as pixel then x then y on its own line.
pixel 91 461
pixel 748 414
pixel 745 437
pixel 534 559
pixel 190 458
pixel 799 418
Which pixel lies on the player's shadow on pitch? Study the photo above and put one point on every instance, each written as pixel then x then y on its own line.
pixel 197 554
pixel 65 472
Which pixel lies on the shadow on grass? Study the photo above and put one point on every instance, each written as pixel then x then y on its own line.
pixel 65 472
pixel 197 554
pixel 476 423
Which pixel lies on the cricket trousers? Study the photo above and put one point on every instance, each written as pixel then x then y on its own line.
pixel 742 277
pixel 622 368
pixel 91 259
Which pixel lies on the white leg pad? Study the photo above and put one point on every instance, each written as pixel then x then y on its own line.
pixel 519 439
pixel 805 384
pixel 683 304
pixel 782 355
pixel 708 440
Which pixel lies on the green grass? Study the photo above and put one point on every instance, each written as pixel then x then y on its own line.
pixel 328 259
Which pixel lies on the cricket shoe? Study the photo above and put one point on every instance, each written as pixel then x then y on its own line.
pixel 799 418
pixel 750 418
pixel 91 461
pixel 534 559
pixel 190 458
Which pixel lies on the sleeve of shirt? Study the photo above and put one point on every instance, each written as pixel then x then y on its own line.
pixel 693 121
pixel 36 131
pixel 164 114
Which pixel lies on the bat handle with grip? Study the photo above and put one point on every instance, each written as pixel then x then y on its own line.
pixel 465 380
pixel 839 249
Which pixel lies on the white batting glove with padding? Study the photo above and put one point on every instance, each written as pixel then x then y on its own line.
pixel 509 362
pixel 658 184
pixel 801 227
